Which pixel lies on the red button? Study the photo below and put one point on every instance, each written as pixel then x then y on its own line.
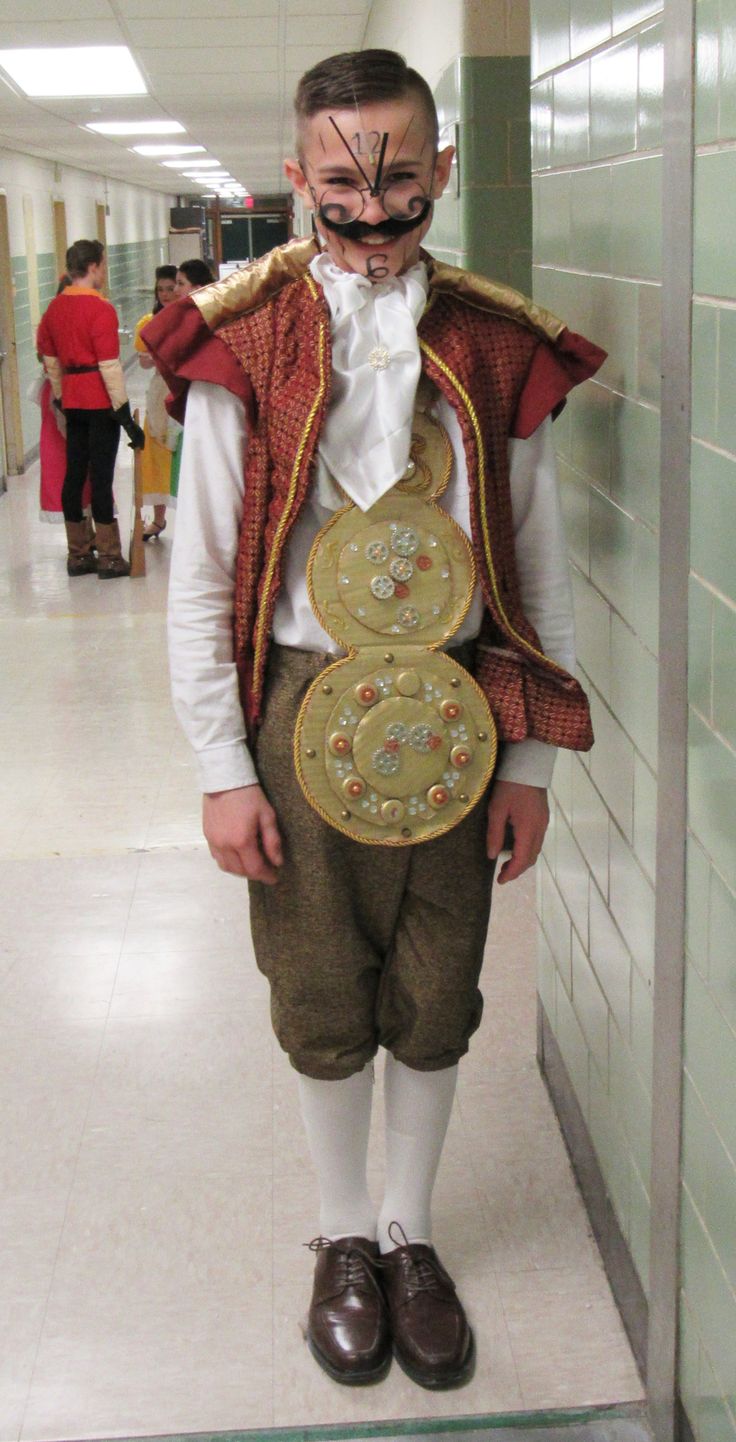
pixel 424 563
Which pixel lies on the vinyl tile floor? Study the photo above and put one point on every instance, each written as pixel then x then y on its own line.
pixel 156 1187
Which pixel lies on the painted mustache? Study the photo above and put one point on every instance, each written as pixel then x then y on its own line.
pixel 359 230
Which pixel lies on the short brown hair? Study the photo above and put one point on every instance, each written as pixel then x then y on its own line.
pixel 361 77
pixel 81 255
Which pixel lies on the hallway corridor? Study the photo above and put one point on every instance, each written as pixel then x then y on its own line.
pixel 157 1188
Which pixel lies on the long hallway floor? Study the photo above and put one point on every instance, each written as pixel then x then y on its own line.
pixel 156 1187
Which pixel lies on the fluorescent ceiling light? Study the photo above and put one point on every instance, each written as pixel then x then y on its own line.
pixel 187 164
pixel 75 70
pixel 154 151
pixel 136 127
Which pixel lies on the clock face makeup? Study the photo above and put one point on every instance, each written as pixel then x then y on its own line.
pixel 371 175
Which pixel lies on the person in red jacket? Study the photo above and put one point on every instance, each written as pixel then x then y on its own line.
pixel 78 339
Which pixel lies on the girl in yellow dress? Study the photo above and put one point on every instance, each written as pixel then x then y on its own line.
pixel 161 432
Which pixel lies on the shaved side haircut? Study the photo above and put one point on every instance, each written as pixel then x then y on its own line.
pixel 361 77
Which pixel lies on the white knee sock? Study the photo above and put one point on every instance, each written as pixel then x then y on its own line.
pixel 418 1107
pixel 337 1119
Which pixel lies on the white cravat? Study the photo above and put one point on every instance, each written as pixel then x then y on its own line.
pixel 376 365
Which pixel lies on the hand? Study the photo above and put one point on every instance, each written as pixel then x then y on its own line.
pixel 134 432
pixel 242 833
pixel 525 811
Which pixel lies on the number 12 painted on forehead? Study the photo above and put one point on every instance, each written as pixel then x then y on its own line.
pixel 372 140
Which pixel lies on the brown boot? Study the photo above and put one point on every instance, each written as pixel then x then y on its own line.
pixel 110 560
pixel 80 560
pixel 348 1330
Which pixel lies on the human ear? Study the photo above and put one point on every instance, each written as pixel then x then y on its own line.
pixel 442 167
pixel 298 180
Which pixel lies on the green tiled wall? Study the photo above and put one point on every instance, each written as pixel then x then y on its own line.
pixel 596 135
pixel 708 1228
pixel 596 177
pixel 483 221
pixel 131 267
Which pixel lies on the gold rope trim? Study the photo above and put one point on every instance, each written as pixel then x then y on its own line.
pixel 293 484
pixel 465 398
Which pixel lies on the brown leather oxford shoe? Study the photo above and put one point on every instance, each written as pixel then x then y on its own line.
pixel 348 1331
pixel 432 1339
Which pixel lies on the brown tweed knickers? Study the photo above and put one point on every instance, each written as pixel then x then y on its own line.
pixel 364 946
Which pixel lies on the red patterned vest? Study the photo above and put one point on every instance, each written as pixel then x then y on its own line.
pixel 502 363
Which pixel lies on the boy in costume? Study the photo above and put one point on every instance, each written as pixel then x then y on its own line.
pixel 326 383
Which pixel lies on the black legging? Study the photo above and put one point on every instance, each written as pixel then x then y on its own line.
pixel 92 439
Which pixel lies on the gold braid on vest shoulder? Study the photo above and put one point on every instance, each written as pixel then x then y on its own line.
pixel 252 287
pixel 256 284
pixel 493 297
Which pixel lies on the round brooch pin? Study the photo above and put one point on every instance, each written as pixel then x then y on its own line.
pixel 379 358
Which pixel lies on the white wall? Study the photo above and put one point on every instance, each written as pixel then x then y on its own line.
pixel 135 213
pixel 430 33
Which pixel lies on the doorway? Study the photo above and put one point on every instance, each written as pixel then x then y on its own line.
pixel 246 237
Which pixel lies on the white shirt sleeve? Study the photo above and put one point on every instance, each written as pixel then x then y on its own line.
pixel 204 681
pixel 544 581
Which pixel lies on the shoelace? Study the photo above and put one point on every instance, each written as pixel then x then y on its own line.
pixel 421 1274
pixel 356 1266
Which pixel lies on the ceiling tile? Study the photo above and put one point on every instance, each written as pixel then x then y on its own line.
pixel 318 8
pixel 187 9
pixel 23 10
pixel 337 32
pixel 43 33
pixel 207 33
pixel 209 62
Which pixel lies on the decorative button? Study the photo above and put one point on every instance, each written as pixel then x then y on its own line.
pixel 353 788
pixel 388 658
pixel 340 744
pixel 482 735
pixel 379 358
pixel 406 831
pixel 386 762
pixel 410 470
pixel 345 815
pixel 382 587
pixel 462 797
pixel 455 682
pixel 376 551
pixel 326 690
pixel 407 683
pixel 450 710
pixel 422 738
pixel 366 694
pixel 424 563
pixel 401 568
pixel 405 541
pixel 393 811
pixel 311 753
pixel 438 796
pixel 401 590
pixel 461 756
